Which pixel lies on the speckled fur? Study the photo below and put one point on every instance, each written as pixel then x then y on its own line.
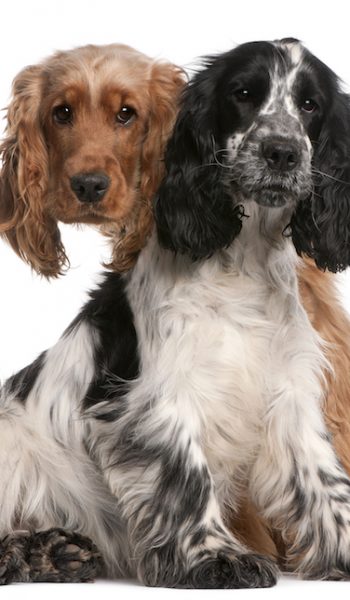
pixel 186 381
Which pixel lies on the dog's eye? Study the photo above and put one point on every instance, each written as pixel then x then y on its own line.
pixel 309 105
pixel 125 115
pixel 63 114
pixel 243 95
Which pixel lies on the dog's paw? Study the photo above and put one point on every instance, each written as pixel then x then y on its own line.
pixel 243 571
pixel 60 556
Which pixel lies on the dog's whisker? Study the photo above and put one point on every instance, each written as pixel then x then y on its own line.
pixel 328 176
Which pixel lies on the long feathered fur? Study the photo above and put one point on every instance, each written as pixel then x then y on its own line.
pixel 197 377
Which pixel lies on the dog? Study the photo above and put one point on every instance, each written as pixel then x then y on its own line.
pixel 211 371
pixel 55 167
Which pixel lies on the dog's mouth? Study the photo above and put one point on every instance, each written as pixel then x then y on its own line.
pixel 91 212
pixel 65 207
pixel 85 218
pixel 271 192
pixel 271 196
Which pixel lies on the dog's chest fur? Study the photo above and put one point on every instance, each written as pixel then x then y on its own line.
pixel 209 339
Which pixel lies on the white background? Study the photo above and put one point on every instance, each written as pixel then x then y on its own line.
pixel 33 312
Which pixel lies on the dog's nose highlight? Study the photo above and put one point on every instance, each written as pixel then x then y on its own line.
pixel 89 187
pixel 280 155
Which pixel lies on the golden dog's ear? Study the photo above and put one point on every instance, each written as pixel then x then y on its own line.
pixel 165 86
pixel 24 223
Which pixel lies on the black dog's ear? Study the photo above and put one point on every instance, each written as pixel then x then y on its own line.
pixel 194 210
pixel 321 224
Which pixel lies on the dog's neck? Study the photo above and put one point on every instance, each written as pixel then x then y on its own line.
pixel 262 236
pixel 261 251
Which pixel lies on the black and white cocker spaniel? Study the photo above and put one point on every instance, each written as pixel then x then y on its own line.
pixel 198 372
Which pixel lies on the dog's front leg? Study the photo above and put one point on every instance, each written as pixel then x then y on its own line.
pixel 297 480
pixel 155 466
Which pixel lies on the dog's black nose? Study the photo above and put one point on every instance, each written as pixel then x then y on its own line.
pixel 89 187
pixel 280 155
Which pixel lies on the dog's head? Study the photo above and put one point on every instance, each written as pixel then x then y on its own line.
pixel 85 139
pixel 266 122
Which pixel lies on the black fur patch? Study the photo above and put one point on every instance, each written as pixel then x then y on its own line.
pixel 116 357
pixel 22 382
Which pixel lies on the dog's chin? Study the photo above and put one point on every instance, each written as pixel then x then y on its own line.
pixel 273 197
pixel 268 195
pixel 88 215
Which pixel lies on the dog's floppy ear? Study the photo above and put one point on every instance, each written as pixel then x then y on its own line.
pixel 321 224
pixel 194 210
pixel 24 224
pixel 166 82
